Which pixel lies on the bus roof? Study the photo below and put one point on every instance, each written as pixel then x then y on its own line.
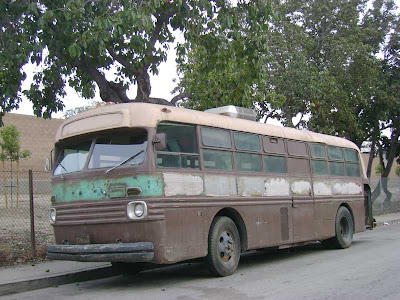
pixel 149 115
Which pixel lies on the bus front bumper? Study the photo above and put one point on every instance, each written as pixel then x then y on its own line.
pixel 120 252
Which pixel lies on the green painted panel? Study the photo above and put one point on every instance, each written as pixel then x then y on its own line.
pixel 102 189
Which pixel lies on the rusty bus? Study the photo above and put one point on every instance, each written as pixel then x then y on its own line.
pixel 143 183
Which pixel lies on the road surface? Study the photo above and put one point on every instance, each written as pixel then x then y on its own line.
pixel 369 269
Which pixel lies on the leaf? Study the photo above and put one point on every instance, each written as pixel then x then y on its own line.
pixel 73 50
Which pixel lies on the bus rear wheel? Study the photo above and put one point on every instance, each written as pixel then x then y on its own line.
pixel 344 230
pixel 223 247
pixel 127 268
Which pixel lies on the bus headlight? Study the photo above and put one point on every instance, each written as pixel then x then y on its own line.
pixel 53 215
pixel 136 210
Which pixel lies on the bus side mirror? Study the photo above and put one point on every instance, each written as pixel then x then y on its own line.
pixel 160 141
pixel 47 167
pixel 49 162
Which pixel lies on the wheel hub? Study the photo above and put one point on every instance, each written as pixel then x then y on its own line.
pixel 226 246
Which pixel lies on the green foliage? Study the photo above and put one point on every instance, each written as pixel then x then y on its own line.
pixel 10 144
pixel 74 42
pixel 379 170
pixel 316 58
pixel 77 110
pixel 226 62
pixel 397 171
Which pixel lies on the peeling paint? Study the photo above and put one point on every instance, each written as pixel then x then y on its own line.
pixel 276 187
pixel 220 185
pixel 182 184
pixel 100 189
pixel 322 188
pixel 250 186
pixel 301 187
pixel 346 188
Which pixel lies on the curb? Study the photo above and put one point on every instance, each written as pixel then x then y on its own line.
pixel 381 223
pixel 50 281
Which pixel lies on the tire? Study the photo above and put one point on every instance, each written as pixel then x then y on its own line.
pixel 127 268
pixel 223 247
pixel 344 225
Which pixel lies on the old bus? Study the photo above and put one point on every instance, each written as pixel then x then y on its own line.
pixel 142 183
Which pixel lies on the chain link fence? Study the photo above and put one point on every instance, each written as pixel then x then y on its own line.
pixel 21 240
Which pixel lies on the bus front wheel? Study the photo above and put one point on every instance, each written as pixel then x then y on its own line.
pixel 344 230
pixel 223 247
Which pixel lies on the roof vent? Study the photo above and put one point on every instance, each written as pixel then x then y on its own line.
pixel 234 112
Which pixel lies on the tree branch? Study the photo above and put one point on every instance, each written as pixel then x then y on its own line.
pixel 380 154
pixel 109 91
pixel 154 38
pixel 394 141
pixel 123 62
pixel 179 97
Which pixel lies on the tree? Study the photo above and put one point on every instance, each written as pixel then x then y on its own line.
pixel 11 151
pixel 76 42
pixel 389 147
pixel 77 110
pixel 226 62
pixel 317 59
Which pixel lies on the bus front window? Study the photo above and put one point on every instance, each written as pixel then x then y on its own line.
pixel 111 151
pixel 72 158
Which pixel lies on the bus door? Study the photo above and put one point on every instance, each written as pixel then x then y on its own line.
pixel 303 218
pixel 299 171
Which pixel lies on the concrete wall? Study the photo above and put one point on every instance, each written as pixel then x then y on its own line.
pixel 37 136
pixel 380 203
pixel 374 176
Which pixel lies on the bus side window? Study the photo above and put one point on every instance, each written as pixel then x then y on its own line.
pixel 182 150
pixel 217 160
pixel 275 164
pixel 318 159
pixel 248 162
pixel 352 163
pixel 247 141
pixel 213 137
pixel 319 167
pixel 336 168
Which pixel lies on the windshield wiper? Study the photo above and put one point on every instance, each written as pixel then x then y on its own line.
pixel 125 161
pixel 63 167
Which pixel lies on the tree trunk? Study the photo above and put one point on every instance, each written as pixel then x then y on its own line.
pixel 5 183
pixel 371 155
pixel 377 191
pixel 387 204
pixel 394 141
pixel 143 87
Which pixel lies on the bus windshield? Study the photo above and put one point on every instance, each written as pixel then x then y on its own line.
pixel 111 151
pixel 73 158
pixel 107 152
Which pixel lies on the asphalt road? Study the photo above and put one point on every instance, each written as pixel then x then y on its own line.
pixel 370 269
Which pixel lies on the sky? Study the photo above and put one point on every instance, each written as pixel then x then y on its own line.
pixel 161 86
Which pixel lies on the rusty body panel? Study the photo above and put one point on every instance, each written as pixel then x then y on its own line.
pixel 268 209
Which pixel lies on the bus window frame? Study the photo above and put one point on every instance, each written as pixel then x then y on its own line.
pixel 198 154
pixel 296 156
pixel 145 165
pixel 201 147
pixel 235 151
